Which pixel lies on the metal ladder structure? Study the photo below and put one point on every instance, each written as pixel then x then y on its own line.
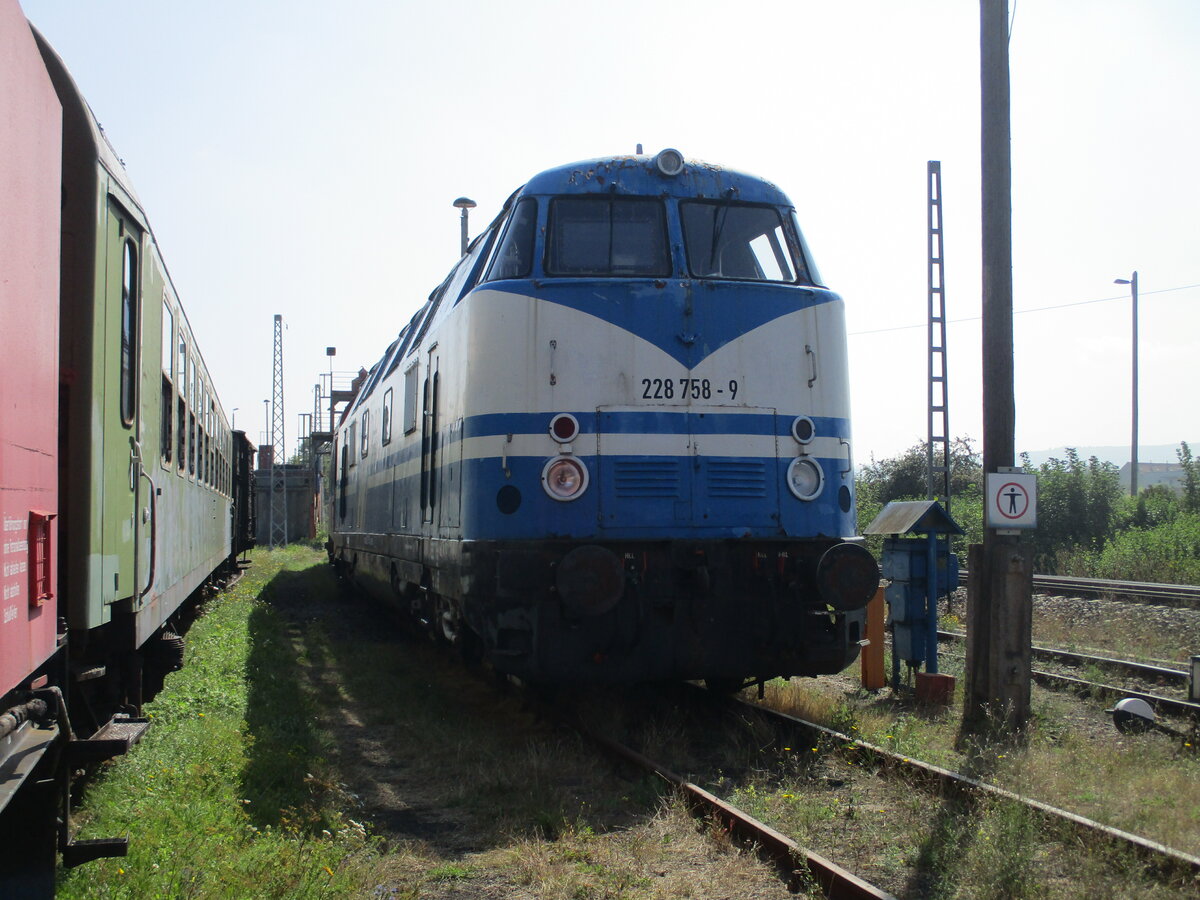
pixel 938 447
pixel 279 517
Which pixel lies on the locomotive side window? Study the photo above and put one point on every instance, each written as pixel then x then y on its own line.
pixel 410 399
pixel 366 431
pixel 167 429
pixel 385 425
pixel 808 268
pixel 607 236
pixel 351 438
pixel 466 273
pixel 732 240
pixel 129 319
pixel 515 256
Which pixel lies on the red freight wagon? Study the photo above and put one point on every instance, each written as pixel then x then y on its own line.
pixel 30 194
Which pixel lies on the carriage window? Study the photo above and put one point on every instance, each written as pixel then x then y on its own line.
pixel 129 317
pixel 731 240
pixel 515 255
pixel 410 399
pixel 607 236
pixel 385 425
pixel 166 429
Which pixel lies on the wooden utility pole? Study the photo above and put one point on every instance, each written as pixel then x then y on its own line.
pixel 1000 586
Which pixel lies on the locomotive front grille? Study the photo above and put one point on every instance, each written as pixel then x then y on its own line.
pixel 646 478
pixel 741 478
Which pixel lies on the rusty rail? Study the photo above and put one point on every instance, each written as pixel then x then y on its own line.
pixel 1159 856
pixel 796 864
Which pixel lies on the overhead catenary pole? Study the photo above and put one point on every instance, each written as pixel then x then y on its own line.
pixel 999 604
pixel 1133 444
pixel 279 524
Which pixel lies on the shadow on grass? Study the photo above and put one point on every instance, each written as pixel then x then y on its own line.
pixel 340 692
pixel 287 743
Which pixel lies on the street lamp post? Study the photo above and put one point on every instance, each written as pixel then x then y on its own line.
pixel 464 203
pixel 1133 463
pixel 331 352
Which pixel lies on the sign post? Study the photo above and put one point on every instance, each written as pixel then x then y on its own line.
pixel 1011 501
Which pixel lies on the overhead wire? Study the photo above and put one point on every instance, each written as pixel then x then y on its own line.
pixel 1184 287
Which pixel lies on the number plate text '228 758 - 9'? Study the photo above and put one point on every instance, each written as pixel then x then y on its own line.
pixel 688 388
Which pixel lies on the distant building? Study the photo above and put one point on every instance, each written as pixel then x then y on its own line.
pixel 1167 474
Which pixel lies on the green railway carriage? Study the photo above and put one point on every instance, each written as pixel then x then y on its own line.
pixel 145 448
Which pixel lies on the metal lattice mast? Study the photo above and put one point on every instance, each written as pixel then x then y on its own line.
pixel 938 448
pixel 279 529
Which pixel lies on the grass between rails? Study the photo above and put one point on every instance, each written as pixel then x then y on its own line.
pixel 1139 783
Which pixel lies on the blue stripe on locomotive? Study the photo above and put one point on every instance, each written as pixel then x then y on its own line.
pixel 663 497
pixel 679 420
pixel 712 314
pixel 669 510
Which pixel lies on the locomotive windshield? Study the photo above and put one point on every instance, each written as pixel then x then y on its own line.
pixel 731 240
pixel 607 236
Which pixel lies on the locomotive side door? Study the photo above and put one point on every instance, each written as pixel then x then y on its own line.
pixel 118 358
pixel 429 438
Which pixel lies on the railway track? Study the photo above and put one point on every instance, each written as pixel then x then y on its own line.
pixel 1167 862
pixel 800 866
pixel 1162 675
pixel 1142 592
pixel 797 865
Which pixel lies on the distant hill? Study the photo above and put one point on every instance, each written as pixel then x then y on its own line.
pixel 1118 456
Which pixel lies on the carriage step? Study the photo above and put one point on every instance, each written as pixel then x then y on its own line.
pixel 116 737
pixel 77 853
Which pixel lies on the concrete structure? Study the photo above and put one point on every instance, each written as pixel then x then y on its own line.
pixel 301 500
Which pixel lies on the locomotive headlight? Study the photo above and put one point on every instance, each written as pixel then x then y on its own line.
pixel 804 478
pixel 564 478
pixel 669 161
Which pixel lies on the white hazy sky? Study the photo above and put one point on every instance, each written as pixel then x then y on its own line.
pixel 302 158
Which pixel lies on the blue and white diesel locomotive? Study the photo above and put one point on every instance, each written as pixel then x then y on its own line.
pixel 614 445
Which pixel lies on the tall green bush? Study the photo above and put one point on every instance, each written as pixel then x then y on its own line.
pixel 1077 506
pixel 1168 553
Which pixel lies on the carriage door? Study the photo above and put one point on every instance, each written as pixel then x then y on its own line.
pixel 117 434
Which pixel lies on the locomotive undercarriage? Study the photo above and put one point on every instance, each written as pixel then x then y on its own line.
pixel 624 611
